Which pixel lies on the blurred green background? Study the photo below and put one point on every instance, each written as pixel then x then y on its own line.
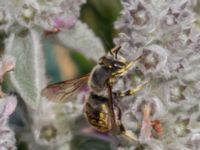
pixel 99 15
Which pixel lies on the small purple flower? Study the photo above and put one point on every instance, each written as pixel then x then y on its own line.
pixel 64 22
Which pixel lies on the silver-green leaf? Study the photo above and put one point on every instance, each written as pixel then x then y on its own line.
pixel 28 76
pixel 82 39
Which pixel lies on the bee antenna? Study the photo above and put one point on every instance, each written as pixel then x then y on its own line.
pixel 115 51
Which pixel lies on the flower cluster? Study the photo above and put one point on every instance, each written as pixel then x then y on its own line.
pixel 53 123
pixel 7 136
pixel 46 15
pixel 165 34
pixel 8 104
pixel 25 21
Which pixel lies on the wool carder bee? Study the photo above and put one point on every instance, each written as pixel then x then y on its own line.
pixel 100 107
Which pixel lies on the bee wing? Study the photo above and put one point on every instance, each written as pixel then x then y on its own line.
pixel 66 90
pixel 111 108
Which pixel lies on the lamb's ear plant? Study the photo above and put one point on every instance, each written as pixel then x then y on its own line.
pixel 28 76
pixel 166 33
pixel 164 114
pixel 8 104
pixel 26 24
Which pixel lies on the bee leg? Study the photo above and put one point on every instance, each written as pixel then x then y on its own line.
pixel 126 66
pixel 133 63
pixel 111 106
pixel 114 52
pixel 128 134
pixel 131 91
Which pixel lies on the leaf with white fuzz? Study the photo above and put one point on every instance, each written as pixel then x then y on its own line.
pixel 82 39
pixel 28 76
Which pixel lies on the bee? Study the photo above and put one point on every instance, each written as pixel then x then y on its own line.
pixel 100 108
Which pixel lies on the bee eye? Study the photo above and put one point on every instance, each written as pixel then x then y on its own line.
pixel 119 64
pixel 102 60
pixel 116 65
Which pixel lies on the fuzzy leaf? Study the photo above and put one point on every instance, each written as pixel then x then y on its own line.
pixel 82 39
pixel 28 76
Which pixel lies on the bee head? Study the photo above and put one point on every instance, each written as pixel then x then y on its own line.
pixel 106 61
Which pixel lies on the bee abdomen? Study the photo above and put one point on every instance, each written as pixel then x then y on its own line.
pixel 97 117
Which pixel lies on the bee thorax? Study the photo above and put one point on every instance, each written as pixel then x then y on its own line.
pixel 98 78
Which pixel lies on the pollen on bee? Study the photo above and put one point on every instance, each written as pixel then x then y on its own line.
pixel 100 122
pixel 104 107
pixel 93 121
pixel 101 115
